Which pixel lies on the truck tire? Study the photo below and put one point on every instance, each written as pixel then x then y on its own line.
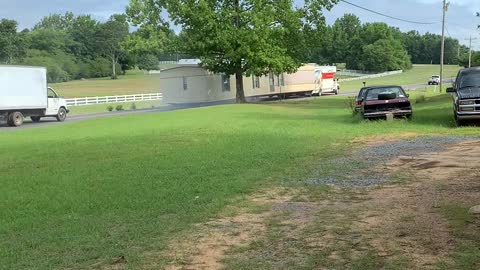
pixel 35 119
pixel 459 122
pixel 15 119
pixel 62 115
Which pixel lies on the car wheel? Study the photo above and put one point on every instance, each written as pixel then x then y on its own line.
pixel 35 119
pixel 459 122
pixel 62 115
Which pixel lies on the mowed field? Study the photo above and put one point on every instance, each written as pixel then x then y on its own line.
pixel 97 193
pixel 419 74
pixel 134 82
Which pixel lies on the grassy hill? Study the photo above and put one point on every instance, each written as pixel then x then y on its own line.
pixel 419 74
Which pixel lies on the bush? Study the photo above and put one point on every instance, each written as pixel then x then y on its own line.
pixel 133 106
pixel 119 108
pixel 100 67
pixel 110 108
pixel 350 104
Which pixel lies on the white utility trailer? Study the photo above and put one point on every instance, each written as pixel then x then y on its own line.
pixel 24 93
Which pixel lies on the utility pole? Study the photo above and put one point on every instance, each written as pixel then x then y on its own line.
pixel 470 52
pixel 442 53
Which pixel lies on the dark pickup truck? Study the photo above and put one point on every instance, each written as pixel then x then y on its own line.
pixel 466 94
pixel 379 101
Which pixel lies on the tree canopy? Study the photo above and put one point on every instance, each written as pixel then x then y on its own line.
pixel 235 37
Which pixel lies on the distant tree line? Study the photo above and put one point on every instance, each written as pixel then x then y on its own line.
pixel 379 47
pixel 74 47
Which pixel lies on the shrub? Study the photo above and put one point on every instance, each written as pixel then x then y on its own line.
pixel 110 108
pixel 119 108
pixel 350 104
pixel 133 106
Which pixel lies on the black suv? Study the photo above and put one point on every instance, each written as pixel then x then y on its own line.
pixel 466 92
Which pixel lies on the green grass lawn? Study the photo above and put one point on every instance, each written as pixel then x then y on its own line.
pixel 134 82
pixel 81 194
pixel 418 74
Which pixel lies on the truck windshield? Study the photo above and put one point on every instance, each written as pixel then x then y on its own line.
pixel 470 80
pixel 374 93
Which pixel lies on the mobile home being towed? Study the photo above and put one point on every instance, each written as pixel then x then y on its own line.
pixel 190 83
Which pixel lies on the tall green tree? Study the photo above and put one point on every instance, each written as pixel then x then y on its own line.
pixel 346 34
pixel 83 32
pixel 385 55
pixel 56 22
pixel 235 37
pixel 110 37
pixel 12 44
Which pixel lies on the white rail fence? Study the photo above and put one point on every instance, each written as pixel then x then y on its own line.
pixel 372 76
pixel 113 99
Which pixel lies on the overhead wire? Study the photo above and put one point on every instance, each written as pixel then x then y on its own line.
pixel 386 15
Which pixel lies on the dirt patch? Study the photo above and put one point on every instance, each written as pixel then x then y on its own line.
pixel 382 139
pixel 213 239
pixel 395 226
pixel 406 218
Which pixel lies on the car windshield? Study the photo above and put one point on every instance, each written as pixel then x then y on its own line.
pixel 373 94
pixel 435 77
pixel 471 79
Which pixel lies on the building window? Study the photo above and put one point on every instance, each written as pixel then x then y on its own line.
pixel 255 82
pixel 225 83
pixel 185 85
pixel 271 79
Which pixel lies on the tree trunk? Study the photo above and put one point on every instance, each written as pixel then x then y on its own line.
pixel 239 88
pixel 114 68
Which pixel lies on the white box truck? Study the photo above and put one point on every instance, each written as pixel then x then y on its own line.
pixel 24 93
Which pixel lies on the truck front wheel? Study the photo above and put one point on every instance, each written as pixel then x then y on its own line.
pixel 15 119
pixel 62 115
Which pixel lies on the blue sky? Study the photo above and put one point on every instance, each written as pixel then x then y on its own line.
pixel 461 16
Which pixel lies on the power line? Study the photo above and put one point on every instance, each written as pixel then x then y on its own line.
pixel 388 16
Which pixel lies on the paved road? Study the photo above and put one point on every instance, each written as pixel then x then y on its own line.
pixel 52 121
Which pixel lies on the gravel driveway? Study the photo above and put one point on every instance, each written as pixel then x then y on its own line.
pixel 364 168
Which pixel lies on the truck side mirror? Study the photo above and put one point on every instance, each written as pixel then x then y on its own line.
pixel 450 90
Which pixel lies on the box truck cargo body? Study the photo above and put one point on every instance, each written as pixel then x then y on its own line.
pixel 24 93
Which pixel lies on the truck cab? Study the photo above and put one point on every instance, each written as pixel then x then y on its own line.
pixel 466 95
pixel 57 106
